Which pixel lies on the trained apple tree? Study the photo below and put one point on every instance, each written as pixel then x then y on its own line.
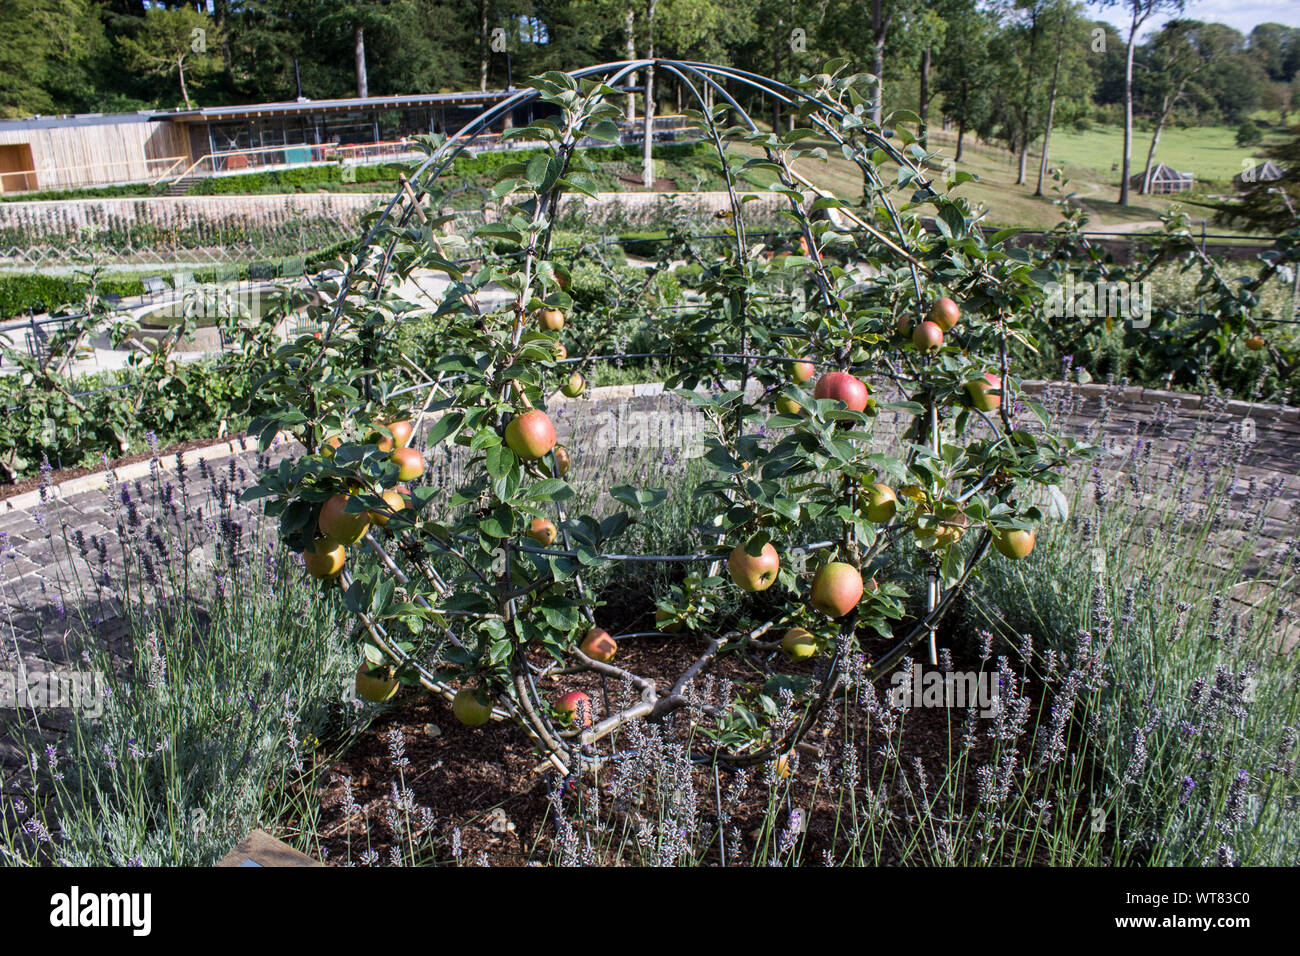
pixel 860 409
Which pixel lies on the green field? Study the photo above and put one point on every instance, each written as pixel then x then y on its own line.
pixel 1211 152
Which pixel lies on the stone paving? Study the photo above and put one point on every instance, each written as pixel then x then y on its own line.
pixel 58 549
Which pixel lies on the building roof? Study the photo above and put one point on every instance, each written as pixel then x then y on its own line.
pixel 291 108
pixel 1160 173
pixel 304 106
pixel 1265 172
pixel 77 119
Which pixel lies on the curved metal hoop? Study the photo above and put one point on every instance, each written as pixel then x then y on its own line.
pixel 571 751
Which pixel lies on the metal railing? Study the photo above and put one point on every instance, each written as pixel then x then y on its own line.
pixel 11 183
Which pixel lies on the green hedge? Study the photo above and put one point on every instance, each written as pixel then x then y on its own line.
pixel 37 292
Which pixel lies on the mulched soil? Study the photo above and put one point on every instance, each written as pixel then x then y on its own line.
pixel 66 474
pixel 464 775
pixel 662 185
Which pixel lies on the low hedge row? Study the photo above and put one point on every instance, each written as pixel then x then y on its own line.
pixel 38 293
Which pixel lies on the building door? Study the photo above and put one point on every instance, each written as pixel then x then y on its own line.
pixel 16 168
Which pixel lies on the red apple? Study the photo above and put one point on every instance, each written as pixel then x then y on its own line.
pixel 598 645
pixel 836 588
pixel 979 390
pixel 881 503
pixel 803 370
pixel 945 313
pixel 575 707
pixel 1255 343
pixel 754 572
pixel 561 353
pixel 469 710
pixel 842 387
pixel 530 435
pixel 1014 544
pixel 324 558
pixel 927 336
pixel 339 526
pixel 410 464
pixel 401 435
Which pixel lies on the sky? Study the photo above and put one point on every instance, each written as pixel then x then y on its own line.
pixel 1242 15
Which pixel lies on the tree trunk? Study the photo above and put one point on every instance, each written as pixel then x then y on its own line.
pixel 629 41
pixel 1128 113
pixel 485 49
pixel 1023 162
pixel 648 162
pixel 1165 109
pixel 776 73
pixel 879 29
pixel 359 33
pixel 180 69
pixel 1051 111
pixel 924 111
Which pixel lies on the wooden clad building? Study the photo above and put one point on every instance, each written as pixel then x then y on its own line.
pixel 63 152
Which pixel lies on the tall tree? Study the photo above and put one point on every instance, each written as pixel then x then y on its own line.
pixel 1071 81
pixel 171 41
pixel 1139 11
pixel 1175 59
pixel 965 75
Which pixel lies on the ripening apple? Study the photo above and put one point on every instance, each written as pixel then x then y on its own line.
pixel 599 645
pixel 953 528
pixel 330 445
pixel 843 387
pixel 551 320
pixel 1255 343
pixel 671 626
pixel 945 313
pixel 799 644
pixel 401 435
pixel 410 463
pixel 561 353
pixel 468 709
pixel 979 390
pixel 836 588
pixel 543 531
pixel 377 685
pixel 905 325
pixel 803 370
pixel 530 435
pixel 575 707
pixel 395 498
pixel 338 525
pixel 928 335
pixel 324 558
pixel 881 503
pixel 575 386
pixel 561 455
pixel 1014 544
pixel 788 406
pixel 754 572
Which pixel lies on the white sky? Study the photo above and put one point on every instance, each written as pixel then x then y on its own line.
pixel 1242 15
